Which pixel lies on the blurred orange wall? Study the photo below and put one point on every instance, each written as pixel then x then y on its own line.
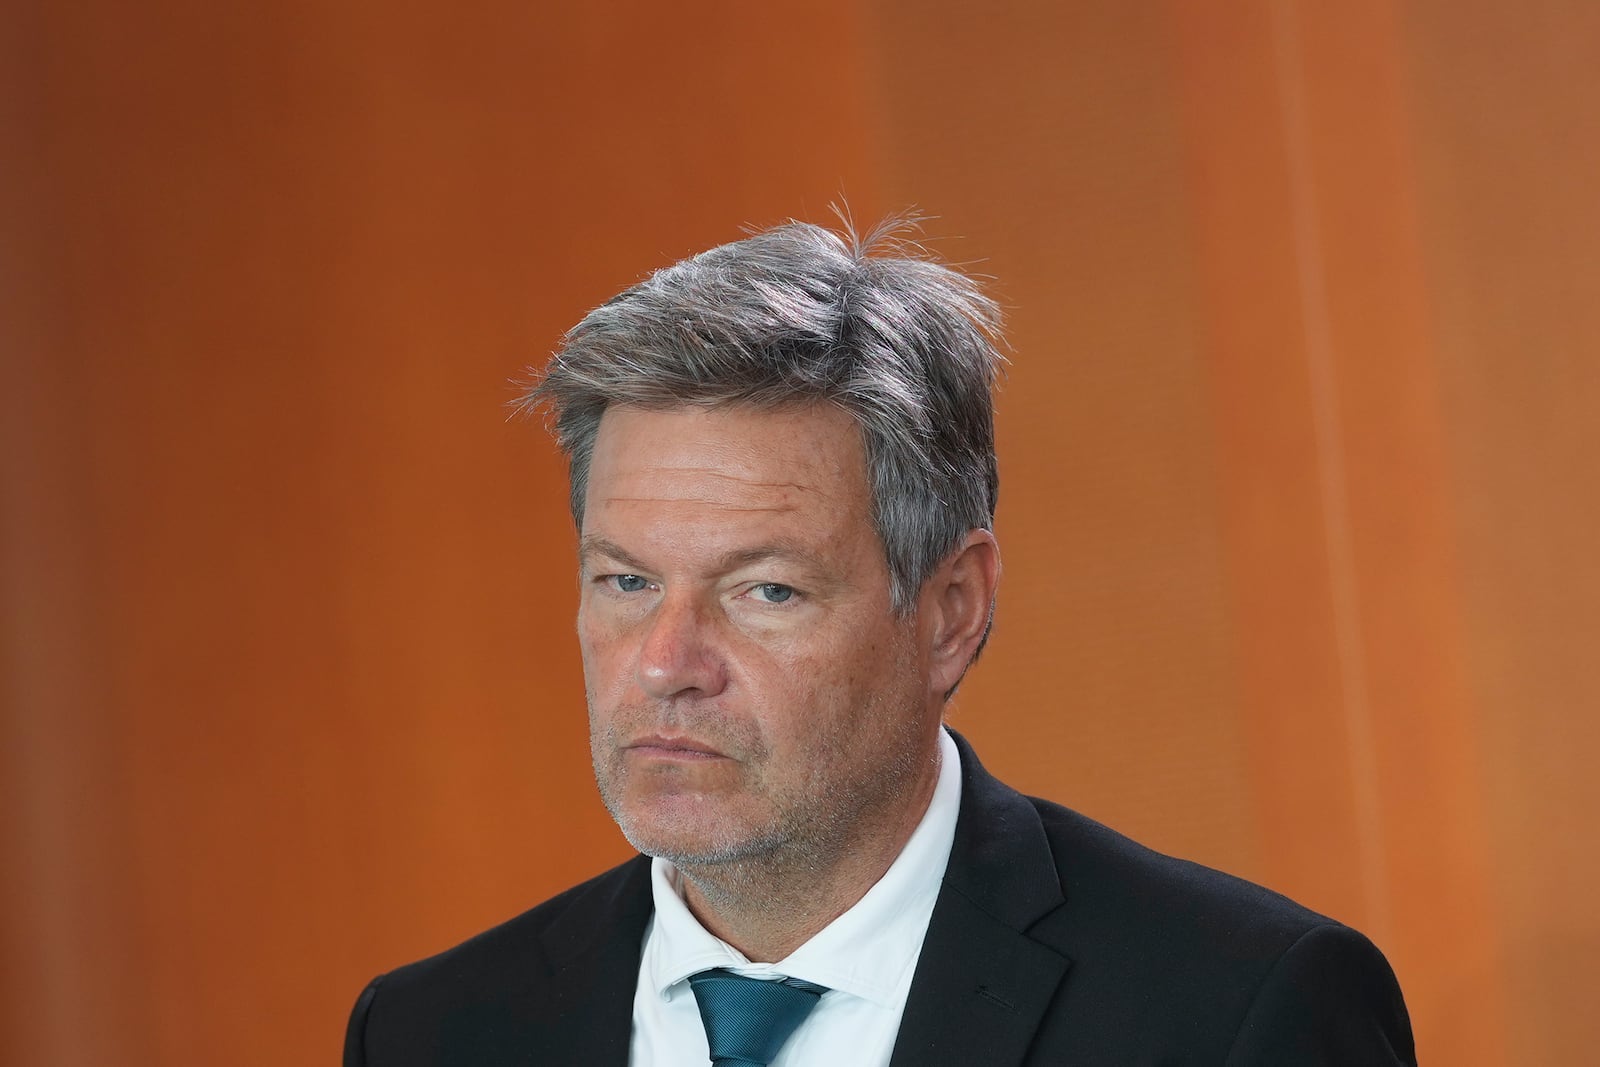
pixel 1298 448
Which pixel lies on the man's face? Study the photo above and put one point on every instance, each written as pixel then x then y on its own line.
pixel 751 690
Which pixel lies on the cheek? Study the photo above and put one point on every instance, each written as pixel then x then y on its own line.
pixel 815 688
pixel 857 659
pixel 605 655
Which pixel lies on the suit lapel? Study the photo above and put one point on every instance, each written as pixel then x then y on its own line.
pixel 982 984
pixel 594 952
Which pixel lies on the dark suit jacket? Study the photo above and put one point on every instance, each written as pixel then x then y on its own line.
pixel 1054 941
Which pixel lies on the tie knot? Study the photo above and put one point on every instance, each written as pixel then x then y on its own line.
pixel 747 1020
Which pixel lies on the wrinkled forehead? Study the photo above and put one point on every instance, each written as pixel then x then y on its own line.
pixel 798 448
pixel 715 463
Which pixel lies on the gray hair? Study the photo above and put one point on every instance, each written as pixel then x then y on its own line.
pixel 798 314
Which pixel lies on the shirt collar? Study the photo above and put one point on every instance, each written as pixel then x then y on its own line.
pixel 868 952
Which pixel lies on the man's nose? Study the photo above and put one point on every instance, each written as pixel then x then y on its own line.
pixel 679 656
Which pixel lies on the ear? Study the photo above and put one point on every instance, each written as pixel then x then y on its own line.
pixel 956 605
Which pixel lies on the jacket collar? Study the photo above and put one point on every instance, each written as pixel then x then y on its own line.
pixel 982 984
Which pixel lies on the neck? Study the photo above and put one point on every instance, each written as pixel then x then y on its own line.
pixel 770 905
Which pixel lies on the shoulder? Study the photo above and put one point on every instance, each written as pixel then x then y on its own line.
pixel 514 977
pixel 544 934
pixel 1127 887
pixel 1099 885
pixel 1215 960
pixel 1166 954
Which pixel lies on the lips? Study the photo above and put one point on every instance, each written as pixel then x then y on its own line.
pixel 686 748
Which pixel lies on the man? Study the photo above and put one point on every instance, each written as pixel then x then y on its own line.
pixel 783 476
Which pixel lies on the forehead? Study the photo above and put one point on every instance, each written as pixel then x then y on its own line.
pixel 733 456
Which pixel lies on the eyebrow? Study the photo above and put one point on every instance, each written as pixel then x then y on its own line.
pixel 591 546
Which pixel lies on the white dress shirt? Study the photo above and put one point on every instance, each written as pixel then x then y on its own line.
pixel 865 957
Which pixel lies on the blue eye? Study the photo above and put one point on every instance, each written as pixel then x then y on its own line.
pixel 773 593
pixel 628 583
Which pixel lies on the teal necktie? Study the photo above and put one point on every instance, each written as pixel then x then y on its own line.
pixel 747 1020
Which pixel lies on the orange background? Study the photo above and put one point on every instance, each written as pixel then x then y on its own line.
pixel 1299 449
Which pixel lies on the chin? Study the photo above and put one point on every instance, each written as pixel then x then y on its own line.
pixel 689 842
